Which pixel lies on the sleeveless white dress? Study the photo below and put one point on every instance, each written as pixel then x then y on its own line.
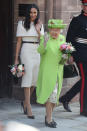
pixel 28 54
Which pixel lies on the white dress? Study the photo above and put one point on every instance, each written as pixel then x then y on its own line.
pixel 29 55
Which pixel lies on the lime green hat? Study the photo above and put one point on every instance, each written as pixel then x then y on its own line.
pixel 56 23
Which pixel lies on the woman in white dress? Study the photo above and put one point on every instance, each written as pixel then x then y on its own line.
pixel 28 34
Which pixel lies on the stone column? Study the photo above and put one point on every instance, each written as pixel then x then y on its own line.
pixel 57 9
pixel 48 10
pixel 41 5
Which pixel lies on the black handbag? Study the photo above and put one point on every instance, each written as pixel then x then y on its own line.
pixel 70 71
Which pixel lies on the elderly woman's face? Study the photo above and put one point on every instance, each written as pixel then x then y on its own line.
pixel 33 14
pixel 54 32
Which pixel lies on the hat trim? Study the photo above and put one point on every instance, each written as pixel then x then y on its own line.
pixel 61 26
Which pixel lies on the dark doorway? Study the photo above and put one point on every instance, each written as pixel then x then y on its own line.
pixel 5 46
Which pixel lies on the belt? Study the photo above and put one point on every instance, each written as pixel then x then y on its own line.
pixel 30 42
pixel 81 40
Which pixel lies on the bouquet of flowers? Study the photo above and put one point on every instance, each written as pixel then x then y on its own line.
pixel 66 49
pixel 17 70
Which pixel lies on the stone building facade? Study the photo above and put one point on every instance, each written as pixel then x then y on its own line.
pixel 63 9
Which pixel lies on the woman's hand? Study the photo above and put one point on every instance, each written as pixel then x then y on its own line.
pixel 70 60
pixel 18 47
pixel 38 27
pixel 46 38
pixel 16 62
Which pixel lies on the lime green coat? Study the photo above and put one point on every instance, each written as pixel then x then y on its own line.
pixel 49 68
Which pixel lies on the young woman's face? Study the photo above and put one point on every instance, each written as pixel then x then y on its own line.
pixel 33 14
pixel 84 8
pixel 54 32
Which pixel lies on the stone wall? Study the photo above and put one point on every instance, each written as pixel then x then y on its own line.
pixel 69 9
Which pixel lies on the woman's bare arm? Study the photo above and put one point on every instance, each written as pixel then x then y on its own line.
pixel 18 47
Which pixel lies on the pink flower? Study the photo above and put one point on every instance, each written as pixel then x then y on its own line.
pixel 63 47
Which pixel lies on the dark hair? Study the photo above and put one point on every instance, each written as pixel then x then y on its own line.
pixel 27 16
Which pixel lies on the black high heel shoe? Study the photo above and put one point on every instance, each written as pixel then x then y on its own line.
pixel 52 124
pixel 31 117
pixel 52 121
pixel 24 109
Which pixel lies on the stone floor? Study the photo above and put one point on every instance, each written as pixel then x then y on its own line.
pixel 10 110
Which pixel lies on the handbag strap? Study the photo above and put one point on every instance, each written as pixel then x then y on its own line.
pixel 76 67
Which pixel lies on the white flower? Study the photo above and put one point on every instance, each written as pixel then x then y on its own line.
pixel 20 67
pixel 13 73
pixel 13 69
pixel 72 49
pixel 19 74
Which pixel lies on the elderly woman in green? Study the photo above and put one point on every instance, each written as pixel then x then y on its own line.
pixel 50 75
